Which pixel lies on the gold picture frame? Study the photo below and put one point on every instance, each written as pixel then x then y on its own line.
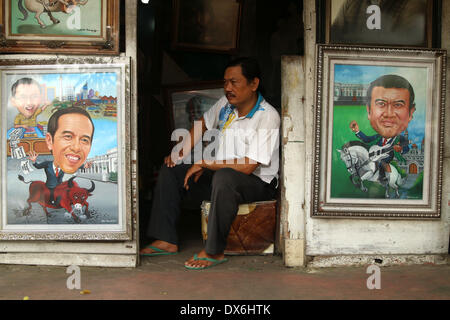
pixel 90 27
pixel 347 178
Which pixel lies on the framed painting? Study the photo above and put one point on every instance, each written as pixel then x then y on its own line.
pixel 189 101
pixel 380 22
pixel 378 132
pixel 207 25
pixel 56 26
pixel 65 140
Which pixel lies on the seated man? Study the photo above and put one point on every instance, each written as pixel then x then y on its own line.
pixel 245 167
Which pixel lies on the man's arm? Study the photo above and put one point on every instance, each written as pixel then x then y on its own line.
pixel 402 146
pixel 33 157
pixel 244 165
pixel 188 144
pixel 359 134
pixel 195 136
pixel 367 139
pixel 41 165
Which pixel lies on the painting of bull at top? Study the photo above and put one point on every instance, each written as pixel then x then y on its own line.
pixel 60 26
pixel 62 140
pixel 56 17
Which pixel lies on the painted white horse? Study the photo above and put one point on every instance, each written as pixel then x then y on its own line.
pixel 47 6
pixel 356 158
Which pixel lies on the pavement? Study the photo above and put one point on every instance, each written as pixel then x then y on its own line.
pixel 241 278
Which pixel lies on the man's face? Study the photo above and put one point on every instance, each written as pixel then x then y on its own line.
pixel 72 142
pixel 27 99
pixel 237 89
pixel 389 112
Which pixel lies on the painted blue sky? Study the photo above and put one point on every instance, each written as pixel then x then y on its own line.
pixel 103 82
pixel 417 76
pixel 105 137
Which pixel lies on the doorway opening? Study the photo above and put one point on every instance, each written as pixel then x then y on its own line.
pixel 265 30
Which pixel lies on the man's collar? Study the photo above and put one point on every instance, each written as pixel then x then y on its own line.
pixel 255 108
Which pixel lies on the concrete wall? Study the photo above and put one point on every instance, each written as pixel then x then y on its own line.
pixel 332 237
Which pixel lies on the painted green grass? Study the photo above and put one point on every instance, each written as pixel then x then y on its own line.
pixel 418 185
pixel 341 186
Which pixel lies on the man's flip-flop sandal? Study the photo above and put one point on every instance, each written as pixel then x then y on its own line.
pixel 215 262
pixel 158 252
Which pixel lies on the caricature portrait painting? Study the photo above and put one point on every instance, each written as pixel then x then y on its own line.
pixel 351 83
pixel 378 119
pixel 62 139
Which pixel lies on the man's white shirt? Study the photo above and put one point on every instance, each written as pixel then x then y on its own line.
pixel 255 136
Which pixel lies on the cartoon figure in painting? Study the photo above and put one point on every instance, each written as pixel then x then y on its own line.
pixel 47 6
pixel 69 138
pixel 390 107
pixel 27 99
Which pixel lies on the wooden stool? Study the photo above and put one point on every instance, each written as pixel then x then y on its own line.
pixel 253 230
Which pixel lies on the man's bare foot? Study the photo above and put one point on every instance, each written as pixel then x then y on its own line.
pixel 163 245
pixel 202 264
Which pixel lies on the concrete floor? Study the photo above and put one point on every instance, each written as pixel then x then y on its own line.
pixel 241 278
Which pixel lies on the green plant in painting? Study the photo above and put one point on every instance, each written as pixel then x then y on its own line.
pixel 113 176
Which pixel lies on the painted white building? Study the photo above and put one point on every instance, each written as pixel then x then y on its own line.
pixel 69 94
pixel 350 93
pixel 102 166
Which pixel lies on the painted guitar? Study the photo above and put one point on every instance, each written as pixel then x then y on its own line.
pixel 377 152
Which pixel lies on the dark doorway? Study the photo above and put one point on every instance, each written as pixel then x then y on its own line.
pixel 268 29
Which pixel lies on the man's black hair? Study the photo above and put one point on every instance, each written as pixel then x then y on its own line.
pixel 25 81
pixel 391 81
pixel 52 125
pixel 250 67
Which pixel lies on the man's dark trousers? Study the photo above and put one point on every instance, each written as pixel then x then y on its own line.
pixel 225 188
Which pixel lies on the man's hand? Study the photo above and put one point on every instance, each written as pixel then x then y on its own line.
pixel 398 148
pixel 168 162
pixel 195 170
pixel 172 159
pixel 88 164
pixel 354 126
pixel 32 156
